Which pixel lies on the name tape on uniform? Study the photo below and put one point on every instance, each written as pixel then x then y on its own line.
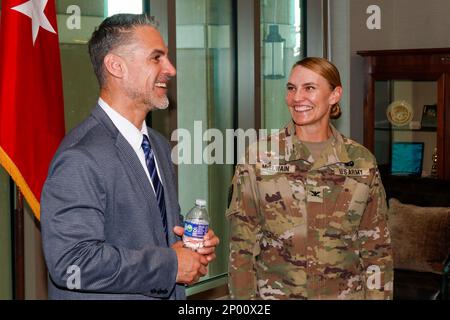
pixel 269 169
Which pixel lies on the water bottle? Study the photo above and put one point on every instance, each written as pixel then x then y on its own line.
pixel 196 224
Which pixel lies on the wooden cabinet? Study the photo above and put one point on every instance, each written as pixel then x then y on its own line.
pixel 407 108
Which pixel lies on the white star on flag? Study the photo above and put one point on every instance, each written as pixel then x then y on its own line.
pixel 34 9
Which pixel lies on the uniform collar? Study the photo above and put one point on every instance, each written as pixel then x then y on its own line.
pixel 294 149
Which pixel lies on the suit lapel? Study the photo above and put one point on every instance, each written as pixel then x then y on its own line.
pixel 130 159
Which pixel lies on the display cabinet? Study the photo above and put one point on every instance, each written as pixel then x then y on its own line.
pixel 407 111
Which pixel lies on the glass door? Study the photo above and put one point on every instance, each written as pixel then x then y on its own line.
pixel 282 44
pixel 205 110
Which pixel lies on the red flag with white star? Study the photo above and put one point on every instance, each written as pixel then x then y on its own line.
pixel 31 98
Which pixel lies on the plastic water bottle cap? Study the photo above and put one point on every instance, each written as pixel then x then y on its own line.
pixel 200 202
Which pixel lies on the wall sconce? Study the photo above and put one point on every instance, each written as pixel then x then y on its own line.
pixel 274 54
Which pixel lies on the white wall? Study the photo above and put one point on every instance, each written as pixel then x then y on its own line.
pixel 405 24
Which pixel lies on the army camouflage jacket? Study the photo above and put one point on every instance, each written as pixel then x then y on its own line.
pixel 304 229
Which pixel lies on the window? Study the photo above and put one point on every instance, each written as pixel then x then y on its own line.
pixel 282 20
pixel 121 6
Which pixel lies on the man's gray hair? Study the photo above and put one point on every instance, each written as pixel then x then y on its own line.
pixel 113 32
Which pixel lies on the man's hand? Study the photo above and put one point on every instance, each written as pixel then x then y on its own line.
pixel 210 244
pixel 191 265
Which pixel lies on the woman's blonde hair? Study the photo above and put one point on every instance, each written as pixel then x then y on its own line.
pixel 327 70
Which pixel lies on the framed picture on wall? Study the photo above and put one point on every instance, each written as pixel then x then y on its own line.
pixel 429 116
pixel 407 158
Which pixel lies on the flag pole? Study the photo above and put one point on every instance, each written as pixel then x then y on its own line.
pixel 19 248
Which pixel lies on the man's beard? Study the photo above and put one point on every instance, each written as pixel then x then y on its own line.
pixel 148 98
pixel 163 103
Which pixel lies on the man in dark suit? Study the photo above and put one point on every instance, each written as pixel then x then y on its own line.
pixel 109 211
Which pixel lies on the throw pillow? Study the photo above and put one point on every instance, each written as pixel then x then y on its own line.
pixel 420 236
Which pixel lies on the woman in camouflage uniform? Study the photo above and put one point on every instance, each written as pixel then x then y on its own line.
pixel 308 218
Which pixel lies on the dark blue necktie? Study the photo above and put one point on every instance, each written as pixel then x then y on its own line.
pixel 157 185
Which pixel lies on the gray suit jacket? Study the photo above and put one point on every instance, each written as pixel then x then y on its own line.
pixel 101 227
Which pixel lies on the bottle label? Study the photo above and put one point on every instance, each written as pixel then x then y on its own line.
pixel 195 230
